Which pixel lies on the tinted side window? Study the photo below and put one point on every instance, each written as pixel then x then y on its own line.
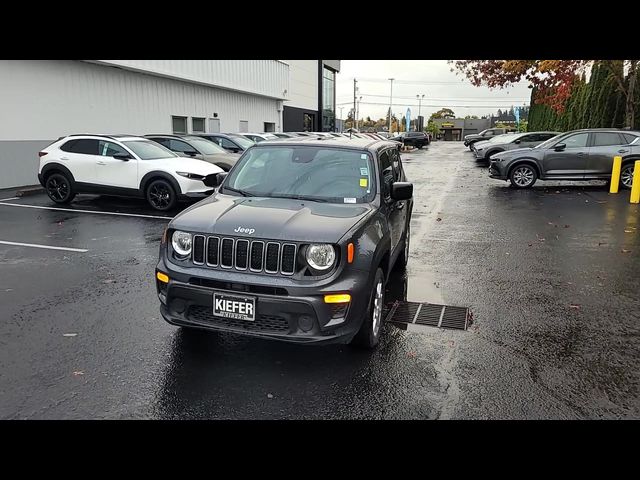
pixel 386 171
pixel 109 149
pixel 546 136
pixel 162 141
pixel 628 138
pixel 602 139
pixel 68 146
pixel 397 166
pixel 84 146
pixel 576 141
pixel 224 143
pixel 180 146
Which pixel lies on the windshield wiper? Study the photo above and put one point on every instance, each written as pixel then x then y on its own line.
pixel 300 197
pixel 241 192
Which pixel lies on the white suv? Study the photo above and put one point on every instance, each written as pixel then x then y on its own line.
pixel 121 165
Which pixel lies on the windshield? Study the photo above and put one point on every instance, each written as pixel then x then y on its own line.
pixel 311 173
pixel 205 146
pixel 243 142
pixel 146 150
pixel 548 143
pixel 505 137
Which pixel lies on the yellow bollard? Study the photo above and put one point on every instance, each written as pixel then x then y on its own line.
pixel 635 186
pixel 615 174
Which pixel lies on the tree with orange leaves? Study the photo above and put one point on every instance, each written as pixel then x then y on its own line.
pixel 553 79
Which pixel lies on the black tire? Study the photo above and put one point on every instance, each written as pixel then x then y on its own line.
pixel 403 258
pixel 626 175
pixel 59 188
pixel 161 195
pixel 523 176
pixel 369 334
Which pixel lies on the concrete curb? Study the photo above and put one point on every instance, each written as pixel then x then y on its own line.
pixel 25 192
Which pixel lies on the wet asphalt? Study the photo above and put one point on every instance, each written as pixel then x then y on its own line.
pixel 551 275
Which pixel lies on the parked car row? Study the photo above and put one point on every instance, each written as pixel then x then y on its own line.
pixel 486 134
pixel 509 141
pixel 161 168
pixel 585 154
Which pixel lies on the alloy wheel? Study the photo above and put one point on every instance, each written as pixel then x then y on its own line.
pixel 377 308
pixel 626 177
pixel 160 196
pixel 57 189
pixel 523 176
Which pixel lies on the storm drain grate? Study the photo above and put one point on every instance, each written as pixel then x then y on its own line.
pixel 430 314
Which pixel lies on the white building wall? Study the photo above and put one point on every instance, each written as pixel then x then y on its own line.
pixel 43 100
pixel 259 77
pixel 303 92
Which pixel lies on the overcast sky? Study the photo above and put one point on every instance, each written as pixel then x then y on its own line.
pixel 433 78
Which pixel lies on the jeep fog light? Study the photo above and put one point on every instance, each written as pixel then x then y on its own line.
pixel 321 256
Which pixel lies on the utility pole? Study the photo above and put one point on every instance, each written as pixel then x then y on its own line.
pixel 354 101
pixel 390 104
pixel 358 112
pixel 341 120
pixel 419 109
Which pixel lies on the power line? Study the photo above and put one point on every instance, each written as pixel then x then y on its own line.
pixel 470 99
pixel 430 105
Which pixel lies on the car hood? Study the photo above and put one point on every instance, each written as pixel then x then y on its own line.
pixel 271 218
pixel 185 164
pixel 512 153
pixel 483 144
pixel 231 158
pixel 472 136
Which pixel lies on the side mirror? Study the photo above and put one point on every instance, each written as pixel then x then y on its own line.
pixel 518 141
pixel 215 179
pixel 401 190
pixel 560 146
pixel 125 157
pixel 191 153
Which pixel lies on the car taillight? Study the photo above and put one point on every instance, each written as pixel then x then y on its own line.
pixel 42 154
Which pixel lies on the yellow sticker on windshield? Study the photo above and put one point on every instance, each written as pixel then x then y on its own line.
pixel 363 182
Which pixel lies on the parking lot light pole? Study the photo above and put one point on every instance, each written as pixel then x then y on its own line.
pixel 390 104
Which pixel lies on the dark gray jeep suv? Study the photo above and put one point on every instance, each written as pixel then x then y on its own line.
pixel 297 243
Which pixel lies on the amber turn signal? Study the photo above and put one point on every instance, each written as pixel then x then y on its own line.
pixel 350 253
pixel 163 277
pixel 337 298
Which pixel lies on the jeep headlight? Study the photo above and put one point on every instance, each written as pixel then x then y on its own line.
pixel 321 256
pixel 181 243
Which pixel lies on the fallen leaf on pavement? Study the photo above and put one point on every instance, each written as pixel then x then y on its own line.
pixel 438 219
pixel 411 354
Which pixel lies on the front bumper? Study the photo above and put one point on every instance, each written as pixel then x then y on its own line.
pixel 495 171
pixel 286 309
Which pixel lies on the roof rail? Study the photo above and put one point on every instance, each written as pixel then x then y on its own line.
pixel 89 135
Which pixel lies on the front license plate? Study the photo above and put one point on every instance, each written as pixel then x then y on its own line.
pixel 232 306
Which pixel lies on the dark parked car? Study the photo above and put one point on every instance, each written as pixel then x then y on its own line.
pixel 228 141
pixel 297 244
pixel 511 141
pixel 484 135
pixel 413 139
pixel 196 147
pixel 577 155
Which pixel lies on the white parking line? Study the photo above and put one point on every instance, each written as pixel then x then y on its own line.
pixel 7 199
pixel 49 247
pixel 85 211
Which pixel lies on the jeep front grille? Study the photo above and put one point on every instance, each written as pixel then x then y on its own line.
pixel 242 254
